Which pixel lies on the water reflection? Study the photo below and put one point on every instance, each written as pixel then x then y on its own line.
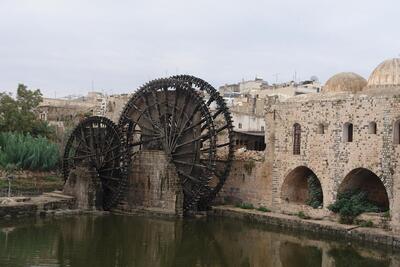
pixel 135 241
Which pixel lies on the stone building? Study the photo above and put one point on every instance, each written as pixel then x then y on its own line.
pixel 64 113
pixel 348 137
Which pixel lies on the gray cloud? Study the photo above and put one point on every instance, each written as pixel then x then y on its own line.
pixel 62 46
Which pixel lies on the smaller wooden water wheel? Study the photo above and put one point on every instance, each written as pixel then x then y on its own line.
pixel 96 142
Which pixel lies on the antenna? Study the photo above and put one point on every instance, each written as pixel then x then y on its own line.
pixel 276 75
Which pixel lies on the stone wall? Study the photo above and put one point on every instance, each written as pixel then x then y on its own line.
pixel 248 182
pixel 153 184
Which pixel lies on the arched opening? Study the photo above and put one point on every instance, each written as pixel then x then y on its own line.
pixel 364 180
pixel 302 186
pixel 348 132
pixel 396 132
pixel 372 127
pixel 296 139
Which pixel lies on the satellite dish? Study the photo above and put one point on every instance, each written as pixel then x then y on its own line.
pixel 314 78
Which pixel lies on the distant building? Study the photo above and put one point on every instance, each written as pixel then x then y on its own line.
pixel 68 111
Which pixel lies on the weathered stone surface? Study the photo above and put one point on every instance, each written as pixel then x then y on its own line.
pixel 249 182
pixel 153 185
pixel 37 205
pixel 82 185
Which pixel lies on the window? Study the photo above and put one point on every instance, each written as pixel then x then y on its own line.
pixel 262 128
pixel 296 138
pixel 240 126
pixel 372 128
pixel 396 132
pixel 348 132
pixel 321 129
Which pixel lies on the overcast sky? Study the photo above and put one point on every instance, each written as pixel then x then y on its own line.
pixel 66 47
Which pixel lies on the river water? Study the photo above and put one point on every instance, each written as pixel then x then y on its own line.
pixel 116 240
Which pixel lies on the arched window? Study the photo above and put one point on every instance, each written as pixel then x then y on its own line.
pixel 240 126
pixel 296 138
pixel 321 128
pixel 372 127
pixel 348 132
pixel 396 132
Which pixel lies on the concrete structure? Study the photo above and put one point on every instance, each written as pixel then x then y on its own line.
pixel 348 137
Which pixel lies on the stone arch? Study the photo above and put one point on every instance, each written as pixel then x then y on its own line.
pixel 295 187
pixel 366 180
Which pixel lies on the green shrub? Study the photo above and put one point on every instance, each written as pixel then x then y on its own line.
pixel 315 196
pixel 246 206
pixel 363 223
pixel 302 215
pixel 386 214
pixel 352 203
pixel 263 209
pixel 27 152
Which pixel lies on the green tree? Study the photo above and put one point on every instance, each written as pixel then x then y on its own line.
pixel 18 114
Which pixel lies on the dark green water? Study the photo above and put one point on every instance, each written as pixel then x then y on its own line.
pixel 136 241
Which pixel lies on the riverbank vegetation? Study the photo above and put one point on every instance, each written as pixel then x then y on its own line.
pixel 26 142
pixel 352 203
pixel 27 152
pixel 315 196
pixel 29 184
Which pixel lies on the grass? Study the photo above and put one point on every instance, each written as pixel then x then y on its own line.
pixel 386 214
pixel 302 215
pixel 363 223
pixel 245 206
pixel 263 209
pixel 41 184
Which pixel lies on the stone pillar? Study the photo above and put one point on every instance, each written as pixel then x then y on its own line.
pixel 270 123
pixel 81 184
pixel 154 184
pixel 395 204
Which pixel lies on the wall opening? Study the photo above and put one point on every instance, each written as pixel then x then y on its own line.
pixel 348 132
pixel 249 140
pixel 296 139
pixel 365 180
pixel 321 128
pixel 396 132
pixel 372 127
pixel 300 185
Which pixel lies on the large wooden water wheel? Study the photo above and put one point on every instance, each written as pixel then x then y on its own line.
pixel 224 136
pixel 169 115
